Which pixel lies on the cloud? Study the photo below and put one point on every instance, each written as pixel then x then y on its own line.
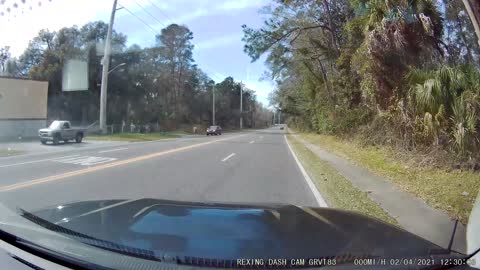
pixel 206 8
pixel 218 42
pixel 219 77
pixel 200 12
pixel 18 29
pixel 151 5
pixel 241 4
pixel 262 89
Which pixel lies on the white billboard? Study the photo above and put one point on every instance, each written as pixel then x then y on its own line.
pixel 75 75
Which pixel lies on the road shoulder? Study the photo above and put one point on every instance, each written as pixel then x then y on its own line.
pixel 411 213
pixel 336 189
pixel 8 152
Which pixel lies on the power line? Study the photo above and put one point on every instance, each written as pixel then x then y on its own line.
pixel 212 73
pixel 204 68
pixel 161 11
pixel 155 31
pixel 207 69
pixel 146 11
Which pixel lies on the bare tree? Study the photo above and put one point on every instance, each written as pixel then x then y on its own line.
pixel 4 56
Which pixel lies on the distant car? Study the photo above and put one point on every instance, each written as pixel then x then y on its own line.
pixel 214 130
pixel 61 131
pixel 281 128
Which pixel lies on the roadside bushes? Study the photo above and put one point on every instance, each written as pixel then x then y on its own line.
pixel 439 112
pixel 445 103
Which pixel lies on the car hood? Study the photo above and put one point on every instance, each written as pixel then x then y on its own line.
pixel 44 130
pixel 230 231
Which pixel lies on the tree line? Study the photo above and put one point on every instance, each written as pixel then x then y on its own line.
pixel 396 72
pixel 159 85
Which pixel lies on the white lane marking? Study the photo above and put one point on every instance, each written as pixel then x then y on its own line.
pixel 251 142
pixel 113 150
pixel 35 161
pixel 72 159
pixel 321 202
pixel 228 157
pixel 86 160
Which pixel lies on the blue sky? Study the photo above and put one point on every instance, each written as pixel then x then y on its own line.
pixel 216 26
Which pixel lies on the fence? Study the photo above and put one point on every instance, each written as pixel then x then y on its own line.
pixel 153 127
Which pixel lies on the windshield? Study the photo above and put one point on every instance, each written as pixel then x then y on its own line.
pixel 267 120
pixel 55 125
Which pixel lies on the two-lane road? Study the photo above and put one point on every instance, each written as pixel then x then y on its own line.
pixel 248 167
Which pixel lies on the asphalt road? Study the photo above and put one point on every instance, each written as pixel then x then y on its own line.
pixel 246 167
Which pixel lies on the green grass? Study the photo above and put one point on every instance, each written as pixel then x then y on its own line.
pixel 9 152
pixel 335 189
pixel 440 188
pixel 133 137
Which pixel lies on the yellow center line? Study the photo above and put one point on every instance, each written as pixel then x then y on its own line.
pixel 106 166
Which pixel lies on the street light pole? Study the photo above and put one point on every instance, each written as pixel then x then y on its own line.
pixel 106 63
pixel 117 66
pixel 213 105
pixel 241 105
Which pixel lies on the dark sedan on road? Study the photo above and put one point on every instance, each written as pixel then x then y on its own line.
pixel 214 130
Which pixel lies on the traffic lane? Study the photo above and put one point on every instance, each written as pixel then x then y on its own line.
pixel 125 150
pixel 26 170
pixel 195 175
pixel 262 170
pixel 67 149
pixel 162 177
pixel 93 146
pixel 161 145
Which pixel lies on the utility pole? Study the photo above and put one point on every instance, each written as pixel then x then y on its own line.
pixel 106 63
pixel 241 105
pixel 252 123
pixel 213 105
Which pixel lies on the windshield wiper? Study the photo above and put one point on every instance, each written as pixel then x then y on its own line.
pixel 186 260
pixel 103 244
pixel 447 262
pixel 146 254
pixel 123 249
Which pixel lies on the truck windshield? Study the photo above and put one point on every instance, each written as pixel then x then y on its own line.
pixel 54 125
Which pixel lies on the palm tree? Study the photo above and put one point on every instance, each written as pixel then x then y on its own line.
pixel 399 34
pixel 448 99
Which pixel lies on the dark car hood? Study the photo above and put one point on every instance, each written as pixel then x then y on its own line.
pixel 227 231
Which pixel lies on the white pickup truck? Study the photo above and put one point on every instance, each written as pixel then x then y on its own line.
pixel 60 131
